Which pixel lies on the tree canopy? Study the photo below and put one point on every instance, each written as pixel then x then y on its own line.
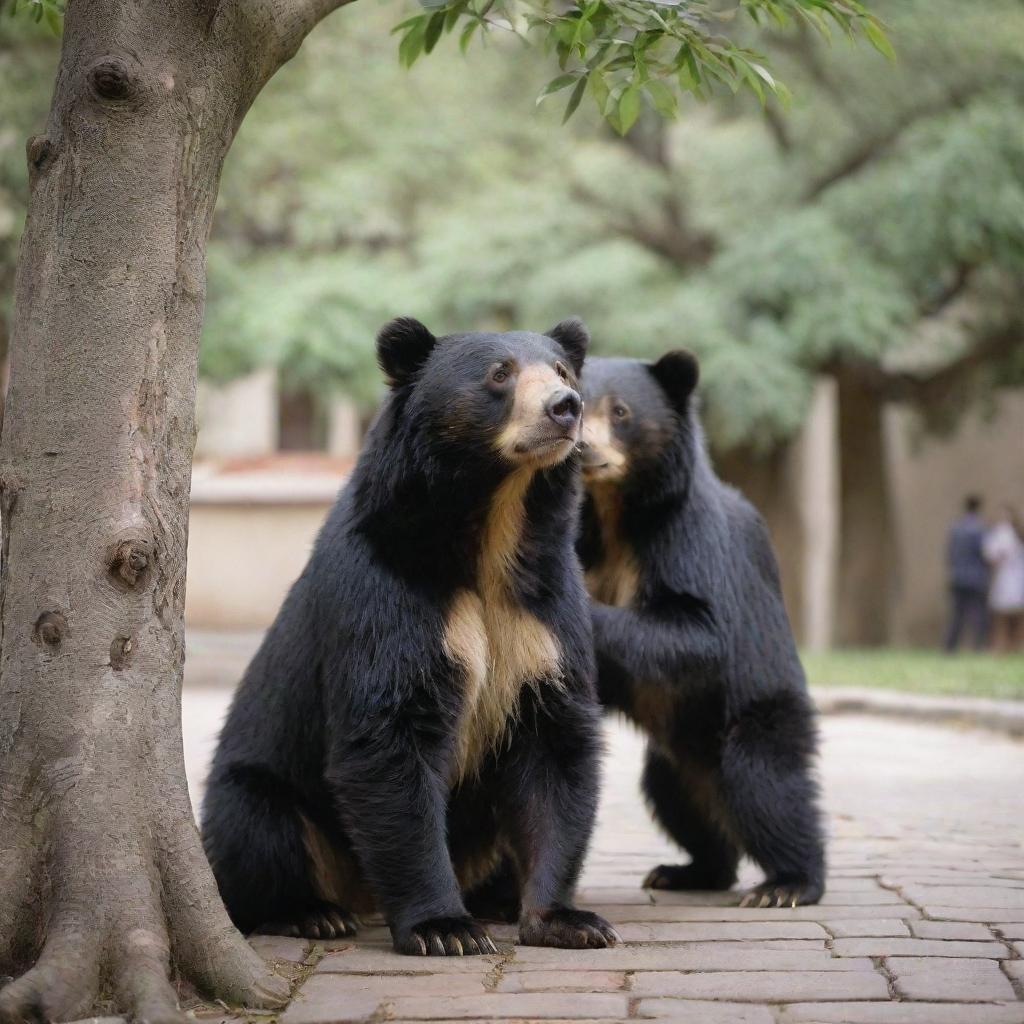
pixel 877 220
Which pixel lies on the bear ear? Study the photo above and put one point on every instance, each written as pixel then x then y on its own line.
pixel 677 372
pixel 403 345
pixel 573 336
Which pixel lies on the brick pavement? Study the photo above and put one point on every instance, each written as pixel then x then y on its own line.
pixel 923 922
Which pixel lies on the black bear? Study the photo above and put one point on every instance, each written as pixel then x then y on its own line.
pixel 692 639
pixel 423 706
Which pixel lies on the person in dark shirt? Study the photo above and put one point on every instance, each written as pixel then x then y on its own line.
pixel 968 576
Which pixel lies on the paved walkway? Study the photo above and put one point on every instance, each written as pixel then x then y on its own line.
pixel 923 922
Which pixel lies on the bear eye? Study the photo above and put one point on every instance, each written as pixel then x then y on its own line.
pixel 499 373
pixel 562 372
pixel 620 410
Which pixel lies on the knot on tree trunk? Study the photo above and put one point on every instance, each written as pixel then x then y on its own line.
pixel 50 628
pixel 39 152
pixel 121 652
pixel 112 80
pixel 129 562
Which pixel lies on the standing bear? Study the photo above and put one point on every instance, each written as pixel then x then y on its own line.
pixel 692 639
pixel 423 706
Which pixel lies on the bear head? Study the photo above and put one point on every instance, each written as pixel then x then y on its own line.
pixel 510 398
pixel 636 414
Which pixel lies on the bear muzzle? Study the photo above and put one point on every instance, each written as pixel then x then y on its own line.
pixel 564 408
pixel 545 421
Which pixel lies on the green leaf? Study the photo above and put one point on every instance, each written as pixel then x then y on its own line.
pixel 764 73
pixel 629 109
pixel 411 45
pixel 403 25
pixel 691 68
pixel 451 17
pixel 556 85
pixel 433 31
pixel 749 76
pixel 574 99
pixel 663 98
pixel 878 39
pixel 564 52
pixel 599 90
pixel 467 35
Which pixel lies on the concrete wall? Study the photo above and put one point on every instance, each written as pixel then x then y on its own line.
pixel 249 538
pixel 797 492
pixel 344 428
pixel 239 418
pixel 930 478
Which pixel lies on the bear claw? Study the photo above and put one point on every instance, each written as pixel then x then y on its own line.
pixel 446 936
pixel 780 894
pixel 325 922
pixel 567 928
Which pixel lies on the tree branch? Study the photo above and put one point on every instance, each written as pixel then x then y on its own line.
pixel 938 303
pixel 778 128
pixel 286 22
pixel 872 149
pixel 802 47
pixel 673 238
pixel 991 346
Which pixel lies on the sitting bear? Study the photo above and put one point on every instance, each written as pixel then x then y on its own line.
pixel 423 706
pixel 692 640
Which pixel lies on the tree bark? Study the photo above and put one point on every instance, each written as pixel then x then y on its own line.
pixel 867 573
pixel 102 875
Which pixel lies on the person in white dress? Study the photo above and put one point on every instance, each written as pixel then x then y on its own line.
pixel 1004 550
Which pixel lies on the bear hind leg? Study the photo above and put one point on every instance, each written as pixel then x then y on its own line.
pixel 772 796
pixel 670 792
pixel 268 858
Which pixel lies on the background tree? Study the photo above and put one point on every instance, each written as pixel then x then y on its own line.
pixel 28 58
pixel 102 875
pixel 871 233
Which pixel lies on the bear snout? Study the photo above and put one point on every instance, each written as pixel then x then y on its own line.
pixel 564 408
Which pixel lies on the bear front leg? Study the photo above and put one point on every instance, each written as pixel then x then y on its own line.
pixel 552 783
pixel 680 641
pixel 394 803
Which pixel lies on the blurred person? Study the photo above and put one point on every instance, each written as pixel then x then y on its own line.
pixel 1004 549
pixel 968 575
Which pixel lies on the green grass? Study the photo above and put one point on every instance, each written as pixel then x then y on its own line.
pixel 920 671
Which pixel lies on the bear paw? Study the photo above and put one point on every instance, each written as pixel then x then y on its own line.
pixel 567 928
pixel 686 877
pixel 325 921
pixel 782 894
pixel 445 936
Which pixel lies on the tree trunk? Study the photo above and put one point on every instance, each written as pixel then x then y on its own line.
pixel 867 572
pixel 102 874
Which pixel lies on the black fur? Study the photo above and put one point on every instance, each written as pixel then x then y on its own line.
pixel 702 656
pixel 572 335
pixel 345 722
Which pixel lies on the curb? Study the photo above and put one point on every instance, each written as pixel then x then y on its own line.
pixel 1002 716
